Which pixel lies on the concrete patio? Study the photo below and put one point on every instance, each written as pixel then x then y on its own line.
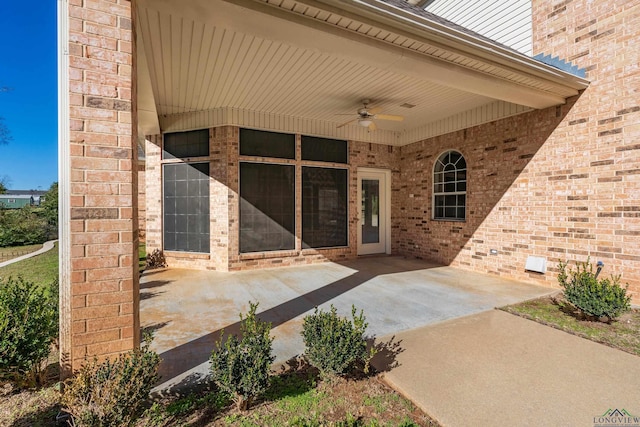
pixel 187 309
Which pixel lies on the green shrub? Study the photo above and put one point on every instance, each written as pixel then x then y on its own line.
pixel 112 393
pixel 240 366
pixel 19 227
pixel 592 296
pixel 50 210
pixel 333 343
pixel 28 325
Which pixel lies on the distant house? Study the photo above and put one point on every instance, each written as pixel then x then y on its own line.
pixel 29 198
pixel 16 201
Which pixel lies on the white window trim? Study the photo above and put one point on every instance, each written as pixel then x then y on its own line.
pixel 450 193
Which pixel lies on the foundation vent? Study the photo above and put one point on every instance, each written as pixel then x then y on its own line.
pixel 536 264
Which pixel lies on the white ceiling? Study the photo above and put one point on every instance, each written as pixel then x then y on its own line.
pixel 207 54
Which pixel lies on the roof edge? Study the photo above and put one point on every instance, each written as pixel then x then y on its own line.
pixel 409 22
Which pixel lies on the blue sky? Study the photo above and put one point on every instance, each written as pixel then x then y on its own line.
pixel 29 67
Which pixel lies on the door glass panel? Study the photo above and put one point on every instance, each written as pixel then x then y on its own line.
pixel 370 211
pixel 324 207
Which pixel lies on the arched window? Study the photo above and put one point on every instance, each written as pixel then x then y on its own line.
pixel 450 187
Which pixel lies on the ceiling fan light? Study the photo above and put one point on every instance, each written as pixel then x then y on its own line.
pixel 365 122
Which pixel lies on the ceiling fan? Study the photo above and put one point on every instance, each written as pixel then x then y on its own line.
pixel 366 116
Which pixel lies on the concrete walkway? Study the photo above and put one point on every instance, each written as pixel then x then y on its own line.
pixel 47 246
pixel 497 369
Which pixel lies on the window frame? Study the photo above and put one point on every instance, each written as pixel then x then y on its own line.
pixel 164 160
pixel 298 162
pixel 164 209
pixel 444 193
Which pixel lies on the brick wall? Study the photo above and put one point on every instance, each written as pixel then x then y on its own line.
pixel 153 193
pixel 603 130
pixel 564 182
pixel 507 183
pixel 142 202
pixel 103 288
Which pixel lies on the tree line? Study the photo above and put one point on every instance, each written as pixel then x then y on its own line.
pixel 31 224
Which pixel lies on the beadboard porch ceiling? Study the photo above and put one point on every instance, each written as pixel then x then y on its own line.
pixel 305 65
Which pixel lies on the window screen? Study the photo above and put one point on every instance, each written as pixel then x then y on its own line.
pixel 267 207
pixel 450 187
pixel 324 207
pixel 186 207
pixel 324 150
pixel 267 144
pixel 181 145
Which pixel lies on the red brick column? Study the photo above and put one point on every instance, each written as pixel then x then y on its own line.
pixel 99 277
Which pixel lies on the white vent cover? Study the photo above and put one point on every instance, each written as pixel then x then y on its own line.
pixel 536 263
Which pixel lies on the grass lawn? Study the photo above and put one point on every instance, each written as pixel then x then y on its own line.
pixel 15 251
pixel 142 256
pixel 623 334
pixel 44 268
pixel 41 269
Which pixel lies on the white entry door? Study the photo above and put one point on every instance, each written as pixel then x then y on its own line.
pixel 374 194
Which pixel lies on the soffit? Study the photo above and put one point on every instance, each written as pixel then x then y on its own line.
pixel 292 59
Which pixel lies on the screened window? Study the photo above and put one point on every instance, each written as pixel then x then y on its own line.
pixel 186 207
pixel 450 187
pixel 324 207
pixel 267 207
pixel 267 144
pixel 324 150
pixel 180 145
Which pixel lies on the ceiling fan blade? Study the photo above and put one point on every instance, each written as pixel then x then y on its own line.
pixel 374 110
pixel 346 123
pixel 389 117
pixel 372 126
